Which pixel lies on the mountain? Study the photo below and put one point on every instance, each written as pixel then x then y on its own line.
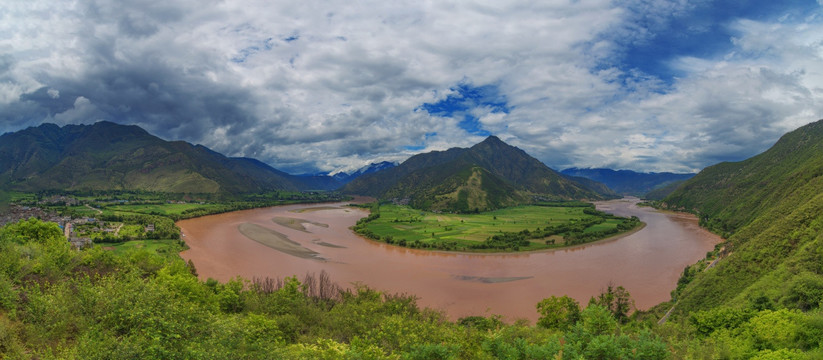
pixel 771 209
pixel 345 178
pixel 326 181
pixel 628 182
pixel 660 192
pixel 106 155
pixel 489 175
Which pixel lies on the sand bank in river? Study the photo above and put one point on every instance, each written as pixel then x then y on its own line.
pixel 277 241
pixel 316 208
pixel 490 280
pixel 323 243
pixel 296 224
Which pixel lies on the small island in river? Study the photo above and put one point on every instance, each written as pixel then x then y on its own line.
pixel 513 229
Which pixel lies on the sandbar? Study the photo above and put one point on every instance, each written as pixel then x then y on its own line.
pixel 490 280
pixel 317 208
pixel 323 243
pixel 296 224
pixel 277 241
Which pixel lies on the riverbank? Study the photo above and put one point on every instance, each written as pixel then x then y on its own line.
pixel 647 261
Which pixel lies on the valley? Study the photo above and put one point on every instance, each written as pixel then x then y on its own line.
pixel 474 245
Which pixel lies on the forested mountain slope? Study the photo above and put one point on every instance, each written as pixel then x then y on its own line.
pixel 771 208
pixel 489 175
pixel 106 156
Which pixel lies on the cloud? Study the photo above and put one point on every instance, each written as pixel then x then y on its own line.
pixel 309 86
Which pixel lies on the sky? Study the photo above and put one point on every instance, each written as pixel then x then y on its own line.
pixel 325 86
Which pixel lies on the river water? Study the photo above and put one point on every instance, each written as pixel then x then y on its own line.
pixel 647 263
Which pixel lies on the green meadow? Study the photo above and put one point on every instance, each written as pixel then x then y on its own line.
pixel 153 246
pixel 162 209
pixel 521 228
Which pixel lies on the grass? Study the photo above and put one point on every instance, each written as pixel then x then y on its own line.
pixel 16 196
pixel 406 223
pixel 154 246
pixel 160 209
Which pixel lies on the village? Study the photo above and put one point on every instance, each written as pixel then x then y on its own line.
pixel 80 231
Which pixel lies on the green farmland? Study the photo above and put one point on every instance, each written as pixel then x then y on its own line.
pixel 521 228
pixel 164 209
pixel 153 246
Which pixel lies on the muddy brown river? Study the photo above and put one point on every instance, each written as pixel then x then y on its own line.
pixel 647 263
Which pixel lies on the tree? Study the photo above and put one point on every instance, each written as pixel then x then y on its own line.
pixel 558 312
pixel 617 300
pixel 45 233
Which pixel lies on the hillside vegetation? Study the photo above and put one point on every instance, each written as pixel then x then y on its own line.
pixel 771 209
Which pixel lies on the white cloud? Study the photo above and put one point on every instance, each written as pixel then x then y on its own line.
pixel 335 85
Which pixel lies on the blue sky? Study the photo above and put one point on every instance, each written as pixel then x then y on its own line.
pixel 702 31
pixel 312 86
pixel 462 100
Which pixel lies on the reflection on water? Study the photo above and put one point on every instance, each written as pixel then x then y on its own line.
pixel 647 263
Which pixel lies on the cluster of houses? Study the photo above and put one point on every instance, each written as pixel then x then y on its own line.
pixel 16 213
pixel 59 200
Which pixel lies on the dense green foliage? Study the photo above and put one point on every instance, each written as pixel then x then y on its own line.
pixel 487 176
pixel 730 195
pixel 771 207
pixel 521 228
pixel 662 192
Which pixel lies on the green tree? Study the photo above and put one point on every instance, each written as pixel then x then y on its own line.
pixel 617 300
pixel 558 312
pixel 33 230
pixel 598 320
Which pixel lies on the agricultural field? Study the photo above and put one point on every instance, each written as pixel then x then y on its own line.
pixel 521 228
pixel 153 246
pixel 161 209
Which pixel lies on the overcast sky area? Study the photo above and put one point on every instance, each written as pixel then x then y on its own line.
pixel 309 86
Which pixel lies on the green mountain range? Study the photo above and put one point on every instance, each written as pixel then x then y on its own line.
pixel 628 182
pixel 108 156
pixel 770 207
pixel 489 175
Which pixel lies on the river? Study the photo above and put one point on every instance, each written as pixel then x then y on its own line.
pixel 647 262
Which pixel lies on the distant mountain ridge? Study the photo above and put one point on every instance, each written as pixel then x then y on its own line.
pixel 345 178
pixel 107 156
pixel 628 182
pixel 489 175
